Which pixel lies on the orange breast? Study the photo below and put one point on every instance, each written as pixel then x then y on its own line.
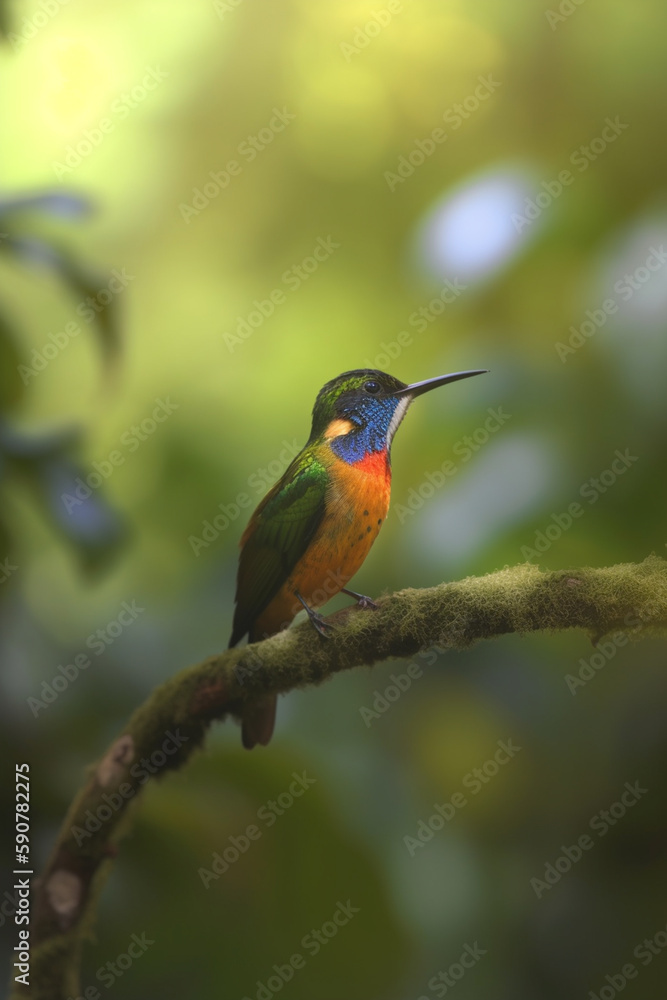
pixel 356 505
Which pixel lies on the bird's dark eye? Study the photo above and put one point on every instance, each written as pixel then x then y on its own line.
pixel 372 386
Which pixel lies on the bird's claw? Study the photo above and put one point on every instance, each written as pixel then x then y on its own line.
pixel 361 599
pixel 366 602
pixel 321 625
pixel 318 621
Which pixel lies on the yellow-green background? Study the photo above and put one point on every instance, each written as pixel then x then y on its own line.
pixel 324 176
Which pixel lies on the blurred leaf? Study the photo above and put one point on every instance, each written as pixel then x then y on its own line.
pixel 83 283
pixel 23 447
pixel 12 386
pixel 5 21
pixel 80 510
pixel 63 204
pixel 70 494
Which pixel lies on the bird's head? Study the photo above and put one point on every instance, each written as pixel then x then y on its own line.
pixel 359 411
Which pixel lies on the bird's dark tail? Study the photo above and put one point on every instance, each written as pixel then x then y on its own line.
pixel 259 719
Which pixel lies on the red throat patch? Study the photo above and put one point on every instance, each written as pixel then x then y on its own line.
pixel 374 464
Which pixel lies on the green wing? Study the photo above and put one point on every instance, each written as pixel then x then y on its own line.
pixel 277 536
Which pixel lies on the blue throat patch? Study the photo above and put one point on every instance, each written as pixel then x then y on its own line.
pixel 371 418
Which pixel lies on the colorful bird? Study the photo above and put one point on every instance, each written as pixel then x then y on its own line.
pixel 314 528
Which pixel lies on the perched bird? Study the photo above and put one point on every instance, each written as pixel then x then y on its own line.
pixel 314 528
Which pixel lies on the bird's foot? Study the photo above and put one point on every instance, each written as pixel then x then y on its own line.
pixel 321 625
pixel 318 622
pixel 361 599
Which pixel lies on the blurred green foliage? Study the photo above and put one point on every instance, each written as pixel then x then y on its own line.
pixel 175 122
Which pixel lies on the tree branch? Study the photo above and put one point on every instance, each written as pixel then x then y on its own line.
pixel 172 723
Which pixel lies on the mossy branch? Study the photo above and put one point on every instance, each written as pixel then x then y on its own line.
pixel 172 723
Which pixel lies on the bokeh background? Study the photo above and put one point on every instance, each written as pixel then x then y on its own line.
pixel 421 144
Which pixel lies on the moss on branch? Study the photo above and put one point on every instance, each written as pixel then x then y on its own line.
pixel 173 721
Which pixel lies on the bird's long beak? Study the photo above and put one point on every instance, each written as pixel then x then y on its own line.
pixel 417 388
